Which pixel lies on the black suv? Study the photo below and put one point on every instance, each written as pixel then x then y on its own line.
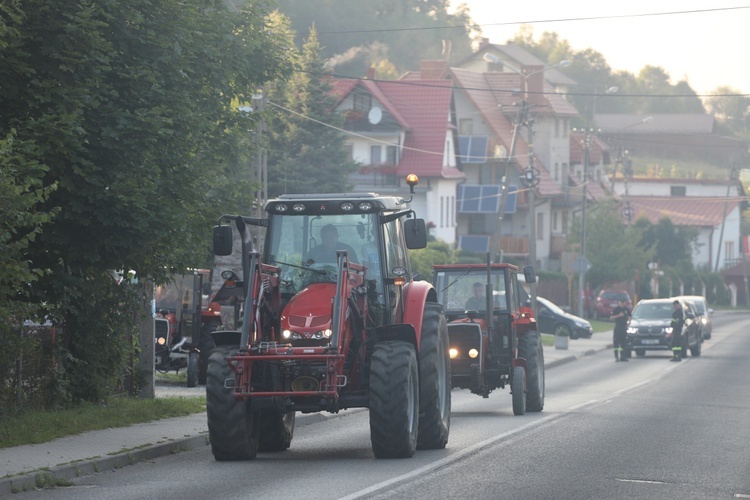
pixel 650 327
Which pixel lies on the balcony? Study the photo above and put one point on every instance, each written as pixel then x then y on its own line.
pixel 514 245
pixel 557 246
pixel 374 176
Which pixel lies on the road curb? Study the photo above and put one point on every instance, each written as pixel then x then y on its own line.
pixel 42 478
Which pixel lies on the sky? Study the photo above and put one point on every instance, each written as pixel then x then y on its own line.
pixel 708 48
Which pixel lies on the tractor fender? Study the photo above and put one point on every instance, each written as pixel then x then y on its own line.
pixel 416 294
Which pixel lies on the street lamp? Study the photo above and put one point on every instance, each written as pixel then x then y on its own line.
pixel 582 262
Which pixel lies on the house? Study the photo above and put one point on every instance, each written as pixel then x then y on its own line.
pixel 712 207
pixel 686 136
pixel 396 128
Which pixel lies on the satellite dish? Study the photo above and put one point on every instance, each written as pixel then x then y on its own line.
pixel 375 115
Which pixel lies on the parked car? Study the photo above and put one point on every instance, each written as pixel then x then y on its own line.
pixel 607 300
pixel 551 319
pixel 704 313
pixel 650 328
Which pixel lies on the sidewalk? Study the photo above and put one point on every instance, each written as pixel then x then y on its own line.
pixel 22 467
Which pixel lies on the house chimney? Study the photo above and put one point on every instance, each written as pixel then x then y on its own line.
pixel 432 70
pixel 534 84
pixel 370 73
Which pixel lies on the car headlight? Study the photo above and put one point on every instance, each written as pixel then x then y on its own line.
pixel 632 330
pixel 704 320
pixel 668 330
pixel 581 324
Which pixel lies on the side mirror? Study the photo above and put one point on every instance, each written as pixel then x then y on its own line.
pixel 529 275
pixel 223 240
pixel 415 233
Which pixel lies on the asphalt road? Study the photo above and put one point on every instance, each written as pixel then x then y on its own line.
pixel 644 429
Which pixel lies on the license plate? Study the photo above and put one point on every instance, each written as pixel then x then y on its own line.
pixel 650 341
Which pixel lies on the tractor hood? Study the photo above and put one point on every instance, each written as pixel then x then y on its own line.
pixel 307 316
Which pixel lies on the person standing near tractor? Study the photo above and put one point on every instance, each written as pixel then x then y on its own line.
pixel 678 321
pixel 621 316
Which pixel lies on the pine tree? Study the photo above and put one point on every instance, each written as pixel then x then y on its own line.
pixel 306 150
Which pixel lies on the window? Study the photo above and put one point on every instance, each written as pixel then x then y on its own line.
pixel 677 190
pixel 554 221
pixel 729 250
pixel 375 158
pixel 466 126
pixel 349 148
pixel 472 148
pixel 557 171
pixel 442 200
pixel 362 102
pixel 564 222
pixel 391 155
pixel 557 127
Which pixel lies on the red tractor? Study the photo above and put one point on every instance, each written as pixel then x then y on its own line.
pixel 492 331
pixel 186 314
pixel 332 319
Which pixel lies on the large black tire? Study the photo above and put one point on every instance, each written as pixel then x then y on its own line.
pixel 232 428
pixel 206 345
pixel 518 390
pixel 434 380
pixel 192 369
pixel 276 429
pixel 530 347
pixel 394 400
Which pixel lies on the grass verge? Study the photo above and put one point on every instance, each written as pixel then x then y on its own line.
pixel 33 427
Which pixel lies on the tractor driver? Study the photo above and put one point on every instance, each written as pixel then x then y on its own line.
pixel 326 251
pixel 477 301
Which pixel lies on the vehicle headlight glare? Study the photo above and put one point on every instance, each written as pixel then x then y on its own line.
pixel 327 333
pixel 286 334
pixel 668 330
pixel 473 353
pixel 453 352
pixel 161 341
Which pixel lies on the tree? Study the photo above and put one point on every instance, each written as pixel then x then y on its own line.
pixel 611 247
pixel 128 107
pixel 403 32
pixel 730 108
pixel 306 132
pixel 672 245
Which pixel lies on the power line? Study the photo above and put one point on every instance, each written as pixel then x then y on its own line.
pixel 540 21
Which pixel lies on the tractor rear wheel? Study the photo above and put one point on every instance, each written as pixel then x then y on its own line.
pixel 518 390
pixel 530 347
pixel 276 429
pixel 232 427
pixel 434 380
pixel 394 400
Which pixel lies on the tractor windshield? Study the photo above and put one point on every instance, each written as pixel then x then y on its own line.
pixel 305 246
pixel 462 290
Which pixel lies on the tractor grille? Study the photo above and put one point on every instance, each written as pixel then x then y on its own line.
pixel 309 321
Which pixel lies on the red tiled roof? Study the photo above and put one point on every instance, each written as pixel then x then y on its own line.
pixel 423 109
pixel 682 211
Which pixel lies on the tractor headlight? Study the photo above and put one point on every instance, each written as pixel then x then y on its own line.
pixel 287 334
pixel 453 352
pixel 161 341
pixel 473 353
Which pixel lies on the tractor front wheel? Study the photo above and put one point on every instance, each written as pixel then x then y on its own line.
pixel 232 427
pixel 434 380
pixel 276 430
pixel 530 347
pixel 394 400
pixel 518 390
